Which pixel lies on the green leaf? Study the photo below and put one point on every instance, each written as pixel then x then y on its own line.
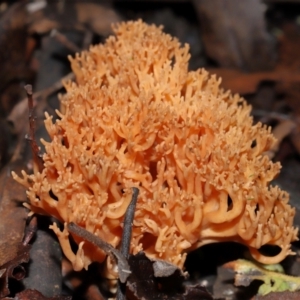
pixel 272 276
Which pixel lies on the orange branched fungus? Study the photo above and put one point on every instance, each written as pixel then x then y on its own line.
pixel 137 118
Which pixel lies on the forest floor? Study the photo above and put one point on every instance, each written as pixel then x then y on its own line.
pixel 253 45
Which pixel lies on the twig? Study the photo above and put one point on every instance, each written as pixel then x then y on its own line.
pixel 123 266
pixel 126 238
pixel 64 41
pixel 128 220
pixel 37 161
pixel 17 115
pixel 266 115
pixel 19 109
pixel 87 40
pixel 30 230
pixel 121 257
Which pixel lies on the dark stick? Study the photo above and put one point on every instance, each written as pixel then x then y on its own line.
pixel 65 41
pixel 128 220
pixel 30 230
pixel 123 267
pixel 121 257
pixel 37 161
pixel 126 238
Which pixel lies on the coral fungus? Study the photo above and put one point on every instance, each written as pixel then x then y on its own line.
pixel 136 117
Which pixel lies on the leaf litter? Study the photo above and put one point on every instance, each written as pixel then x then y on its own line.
pixel 24 21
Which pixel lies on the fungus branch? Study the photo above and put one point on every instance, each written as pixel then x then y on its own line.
pixel 140 118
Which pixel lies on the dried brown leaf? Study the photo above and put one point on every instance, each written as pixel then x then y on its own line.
pixel 24 18
pixel 243 43
pixel 79 15
pixel 13 214
pixel 13 55
pixel 36 295
pixel 13 217
pixel 247 83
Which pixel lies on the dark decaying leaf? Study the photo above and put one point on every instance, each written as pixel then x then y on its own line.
pixel 44 269
pixel 13 55
pixel 13 269
pixel 247 83
pixel 289 60
pixel 285 76
pixel 6 137
pixel 35 295
pixel 13 216
pixel 23 20
pixel 145 286
pixel 68 14
pixel 244 43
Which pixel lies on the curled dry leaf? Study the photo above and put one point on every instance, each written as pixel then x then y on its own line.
pixel 12 268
